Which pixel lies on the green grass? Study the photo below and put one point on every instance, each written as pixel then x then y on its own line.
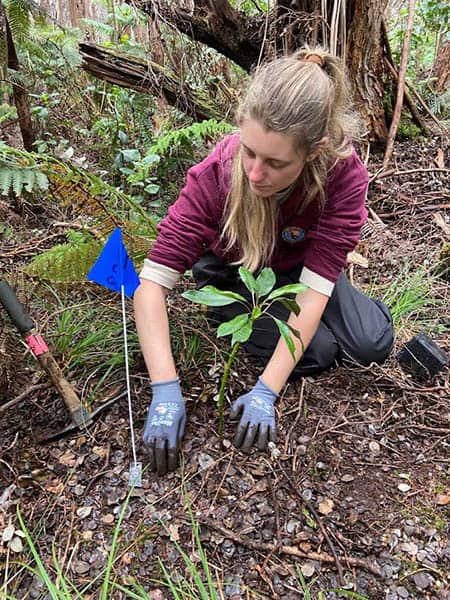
pixel 413 300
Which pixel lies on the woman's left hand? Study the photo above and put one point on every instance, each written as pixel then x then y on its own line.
pixel 257 417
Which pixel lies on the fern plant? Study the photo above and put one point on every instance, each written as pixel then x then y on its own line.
pixel 197 132
pixel 84 193
pixel 66 263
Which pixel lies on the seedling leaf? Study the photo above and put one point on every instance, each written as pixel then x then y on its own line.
pixel 292 288
pixel 285 332
pixel 232 326
pixel 290 304
pixel 265 281
pixel 211 296
pixel 242 334
pixel 248 279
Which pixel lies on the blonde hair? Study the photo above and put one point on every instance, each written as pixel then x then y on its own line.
pixel 306 97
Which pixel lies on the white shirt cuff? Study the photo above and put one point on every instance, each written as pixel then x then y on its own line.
pixel 165 276
pixel 316 282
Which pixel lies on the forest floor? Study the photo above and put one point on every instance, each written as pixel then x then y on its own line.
pixel 363 470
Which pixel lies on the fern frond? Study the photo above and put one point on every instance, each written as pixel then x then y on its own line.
pixel 17 182
pixel 6 176
pixel 65 262
pixel 196 131
pixel 28 179
pixel 7 112
pixel 18 14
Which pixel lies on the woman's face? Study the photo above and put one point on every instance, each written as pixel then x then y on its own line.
pixel 269 159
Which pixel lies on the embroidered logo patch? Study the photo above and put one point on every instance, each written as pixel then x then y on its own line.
pixel 293 234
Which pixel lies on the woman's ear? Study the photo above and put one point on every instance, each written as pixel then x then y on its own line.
pixel 321 144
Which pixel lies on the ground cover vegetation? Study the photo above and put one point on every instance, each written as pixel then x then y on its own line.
pixel 353 500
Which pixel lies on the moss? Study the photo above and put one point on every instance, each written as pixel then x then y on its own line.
pixel 407 129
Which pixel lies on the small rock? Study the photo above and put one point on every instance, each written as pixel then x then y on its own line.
pixel 409 547
pixel 81 567
pixel 307 494
pixel 402 592
pixel 423 580
pixel 387 571
pixel 421 555
pixel 347 478
pixel 205 460
pixel 292 525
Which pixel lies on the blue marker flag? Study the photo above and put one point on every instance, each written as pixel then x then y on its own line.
pixel 114 267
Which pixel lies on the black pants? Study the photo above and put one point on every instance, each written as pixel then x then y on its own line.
pixel 353 328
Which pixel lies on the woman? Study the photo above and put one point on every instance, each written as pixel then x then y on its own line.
pixel 287 191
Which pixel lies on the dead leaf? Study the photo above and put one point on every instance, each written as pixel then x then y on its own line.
pixel 67 459
pixel 440 159
pixel 173 533
pixel 107 519
pixel 443 499
pixel 8 533
pixel 16 544
pixel 355 258
pixel 440 221
pixel 84 511
pixel 55 486
pixel 326 506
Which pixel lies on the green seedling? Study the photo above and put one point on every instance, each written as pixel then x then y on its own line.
pixel 263 295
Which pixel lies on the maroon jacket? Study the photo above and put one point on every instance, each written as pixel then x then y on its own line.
pixel 319 238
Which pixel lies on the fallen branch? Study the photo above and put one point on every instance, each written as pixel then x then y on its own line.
pixel 394 173
pixel 23 395
pixel 288 550
pixel 401 84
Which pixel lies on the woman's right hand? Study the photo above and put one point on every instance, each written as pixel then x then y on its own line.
pixel 164 427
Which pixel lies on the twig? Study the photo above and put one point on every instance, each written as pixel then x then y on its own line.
pixel 318 521
pixel 393 173
pixel 23 395
pixel 288 550
pixel 401 84
pixel 299 412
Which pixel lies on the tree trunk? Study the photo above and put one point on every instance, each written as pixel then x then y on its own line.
pixel 365 64
pixel 20 95
pixel 441 68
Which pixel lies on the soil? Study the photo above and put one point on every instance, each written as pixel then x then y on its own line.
pixel 356 493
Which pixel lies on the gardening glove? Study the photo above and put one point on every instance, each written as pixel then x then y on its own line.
pixel 164 427
pixel 258 417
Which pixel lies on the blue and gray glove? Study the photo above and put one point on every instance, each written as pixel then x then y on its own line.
pixel 164 427
pixel 257 419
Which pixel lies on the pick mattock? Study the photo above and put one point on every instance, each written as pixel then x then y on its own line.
pixel 80 416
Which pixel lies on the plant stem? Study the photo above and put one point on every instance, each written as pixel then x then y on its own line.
pixel 223 383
